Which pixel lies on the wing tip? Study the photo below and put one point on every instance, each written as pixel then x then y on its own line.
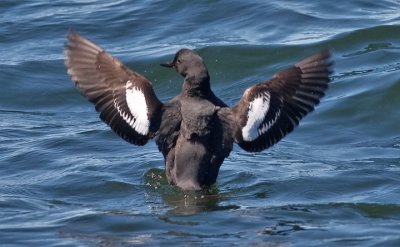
pixel 71 37
pixel 319 63
pixel 324 54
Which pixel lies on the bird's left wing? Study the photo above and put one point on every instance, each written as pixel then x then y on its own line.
pixel 125 99
pixel 270 110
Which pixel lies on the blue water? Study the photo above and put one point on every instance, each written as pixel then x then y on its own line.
pixel 67 180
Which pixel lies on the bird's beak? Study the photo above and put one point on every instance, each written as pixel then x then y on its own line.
pixel 167 64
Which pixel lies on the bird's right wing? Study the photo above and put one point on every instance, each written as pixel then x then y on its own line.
pixel 270 110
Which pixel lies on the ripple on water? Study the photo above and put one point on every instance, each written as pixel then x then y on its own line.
pixel 66 179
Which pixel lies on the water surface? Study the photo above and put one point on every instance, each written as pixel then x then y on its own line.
pixel 67 180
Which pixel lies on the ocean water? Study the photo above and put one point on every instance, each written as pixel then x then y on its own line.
pixel 67 180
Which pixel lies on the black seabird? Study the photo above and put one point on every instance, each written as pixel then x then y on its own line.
pixel 196 130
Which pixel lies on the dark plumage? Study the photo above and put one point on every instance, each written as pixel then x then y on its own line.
pixel 196 130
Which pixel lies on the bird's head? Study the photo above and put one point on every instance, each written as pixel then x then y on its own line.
pixel 187 63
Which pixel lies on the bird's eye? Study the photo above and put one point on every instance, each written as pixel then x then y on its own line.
pixel 179 61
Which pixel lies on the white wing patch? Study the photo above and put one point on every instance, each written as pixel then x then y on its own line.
pixel 138 108
pixel 258 110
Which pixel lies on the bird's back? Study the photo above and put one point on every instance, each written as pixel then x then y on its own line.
pixel 194 140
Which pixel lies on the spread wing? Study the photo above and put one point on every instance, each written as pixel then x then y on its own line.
pixel 270 110
pixel 125 99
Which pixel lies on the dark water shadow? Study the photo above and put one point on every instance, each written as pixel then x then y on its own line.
pixel 182 202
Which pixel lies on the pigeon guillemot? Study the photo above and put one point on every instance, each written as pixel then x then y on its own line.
pixel 196 130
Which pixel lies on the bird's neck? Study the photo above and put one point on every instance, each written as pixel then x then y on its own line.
pixel 197 84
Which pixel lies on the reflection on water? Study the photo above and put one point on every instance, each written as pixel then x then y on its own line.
pixel 183 202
